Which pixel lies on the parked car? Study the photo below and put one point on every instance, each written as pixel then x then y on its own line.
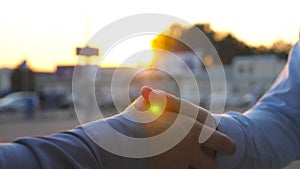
pixel 17 101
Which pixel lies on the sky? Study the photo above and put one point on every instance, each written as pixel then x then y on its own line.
pixel 46 33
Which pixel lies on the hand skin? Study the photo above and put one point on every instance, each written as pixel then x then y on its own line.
pixel 189 153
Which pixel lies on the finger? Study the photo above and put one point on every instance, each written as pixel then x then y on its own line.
pixel 201 160
pixel 209 152
pixel 145 91
pixel 212 139
pixel 173 103
pixel 178 105
pixel 216 140
pixel 140 104
pixel 205 162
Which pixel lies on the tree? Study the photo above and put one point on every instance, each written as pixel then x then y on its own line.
pixel 22 78
pixel 227 45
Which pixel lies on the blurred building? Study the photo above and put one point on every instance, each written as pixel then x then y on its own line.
pixel 174 75
pixel 256 69
pixel 5 82
pixel 186 70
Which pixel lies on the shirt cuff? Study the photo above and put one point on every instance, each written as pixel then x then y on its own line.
pixel 228 125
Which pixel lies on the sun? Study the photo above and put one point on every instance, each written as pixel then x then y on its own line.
pixel 133 52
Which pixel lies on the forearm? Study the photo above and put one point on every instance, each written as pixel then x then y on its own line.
pixel 17 156
pixel 254 149
pixel 70 149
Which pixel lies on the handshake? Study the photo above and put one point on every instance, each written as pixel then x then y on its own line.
pixel 178 134
pixel 201 143
pixel 199 147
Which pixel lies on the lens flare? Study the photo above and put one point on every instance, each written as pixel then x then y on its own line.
pixel 155 110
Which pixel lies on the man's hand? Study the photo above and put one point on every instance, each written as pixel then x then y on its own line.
pixel 174 104
pixel 188 153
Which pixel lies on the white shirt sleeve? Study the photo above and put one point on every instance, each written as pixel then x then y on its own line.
pixel 267 135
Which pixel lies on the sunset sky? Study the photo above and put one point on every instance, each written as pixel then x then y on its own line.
pixel 47 32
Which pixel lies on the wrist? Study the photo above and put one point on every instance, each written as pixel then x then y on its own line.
pixel 228 124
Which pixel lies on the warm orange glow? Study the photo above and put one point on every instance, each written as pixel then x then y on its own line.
pixel 46 37
pixel 208 61
pixel 167 39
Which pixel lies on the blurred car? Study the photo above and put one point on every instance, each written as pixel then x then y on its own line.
pixel 105 101
pixel 65 101
pixel 17 101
